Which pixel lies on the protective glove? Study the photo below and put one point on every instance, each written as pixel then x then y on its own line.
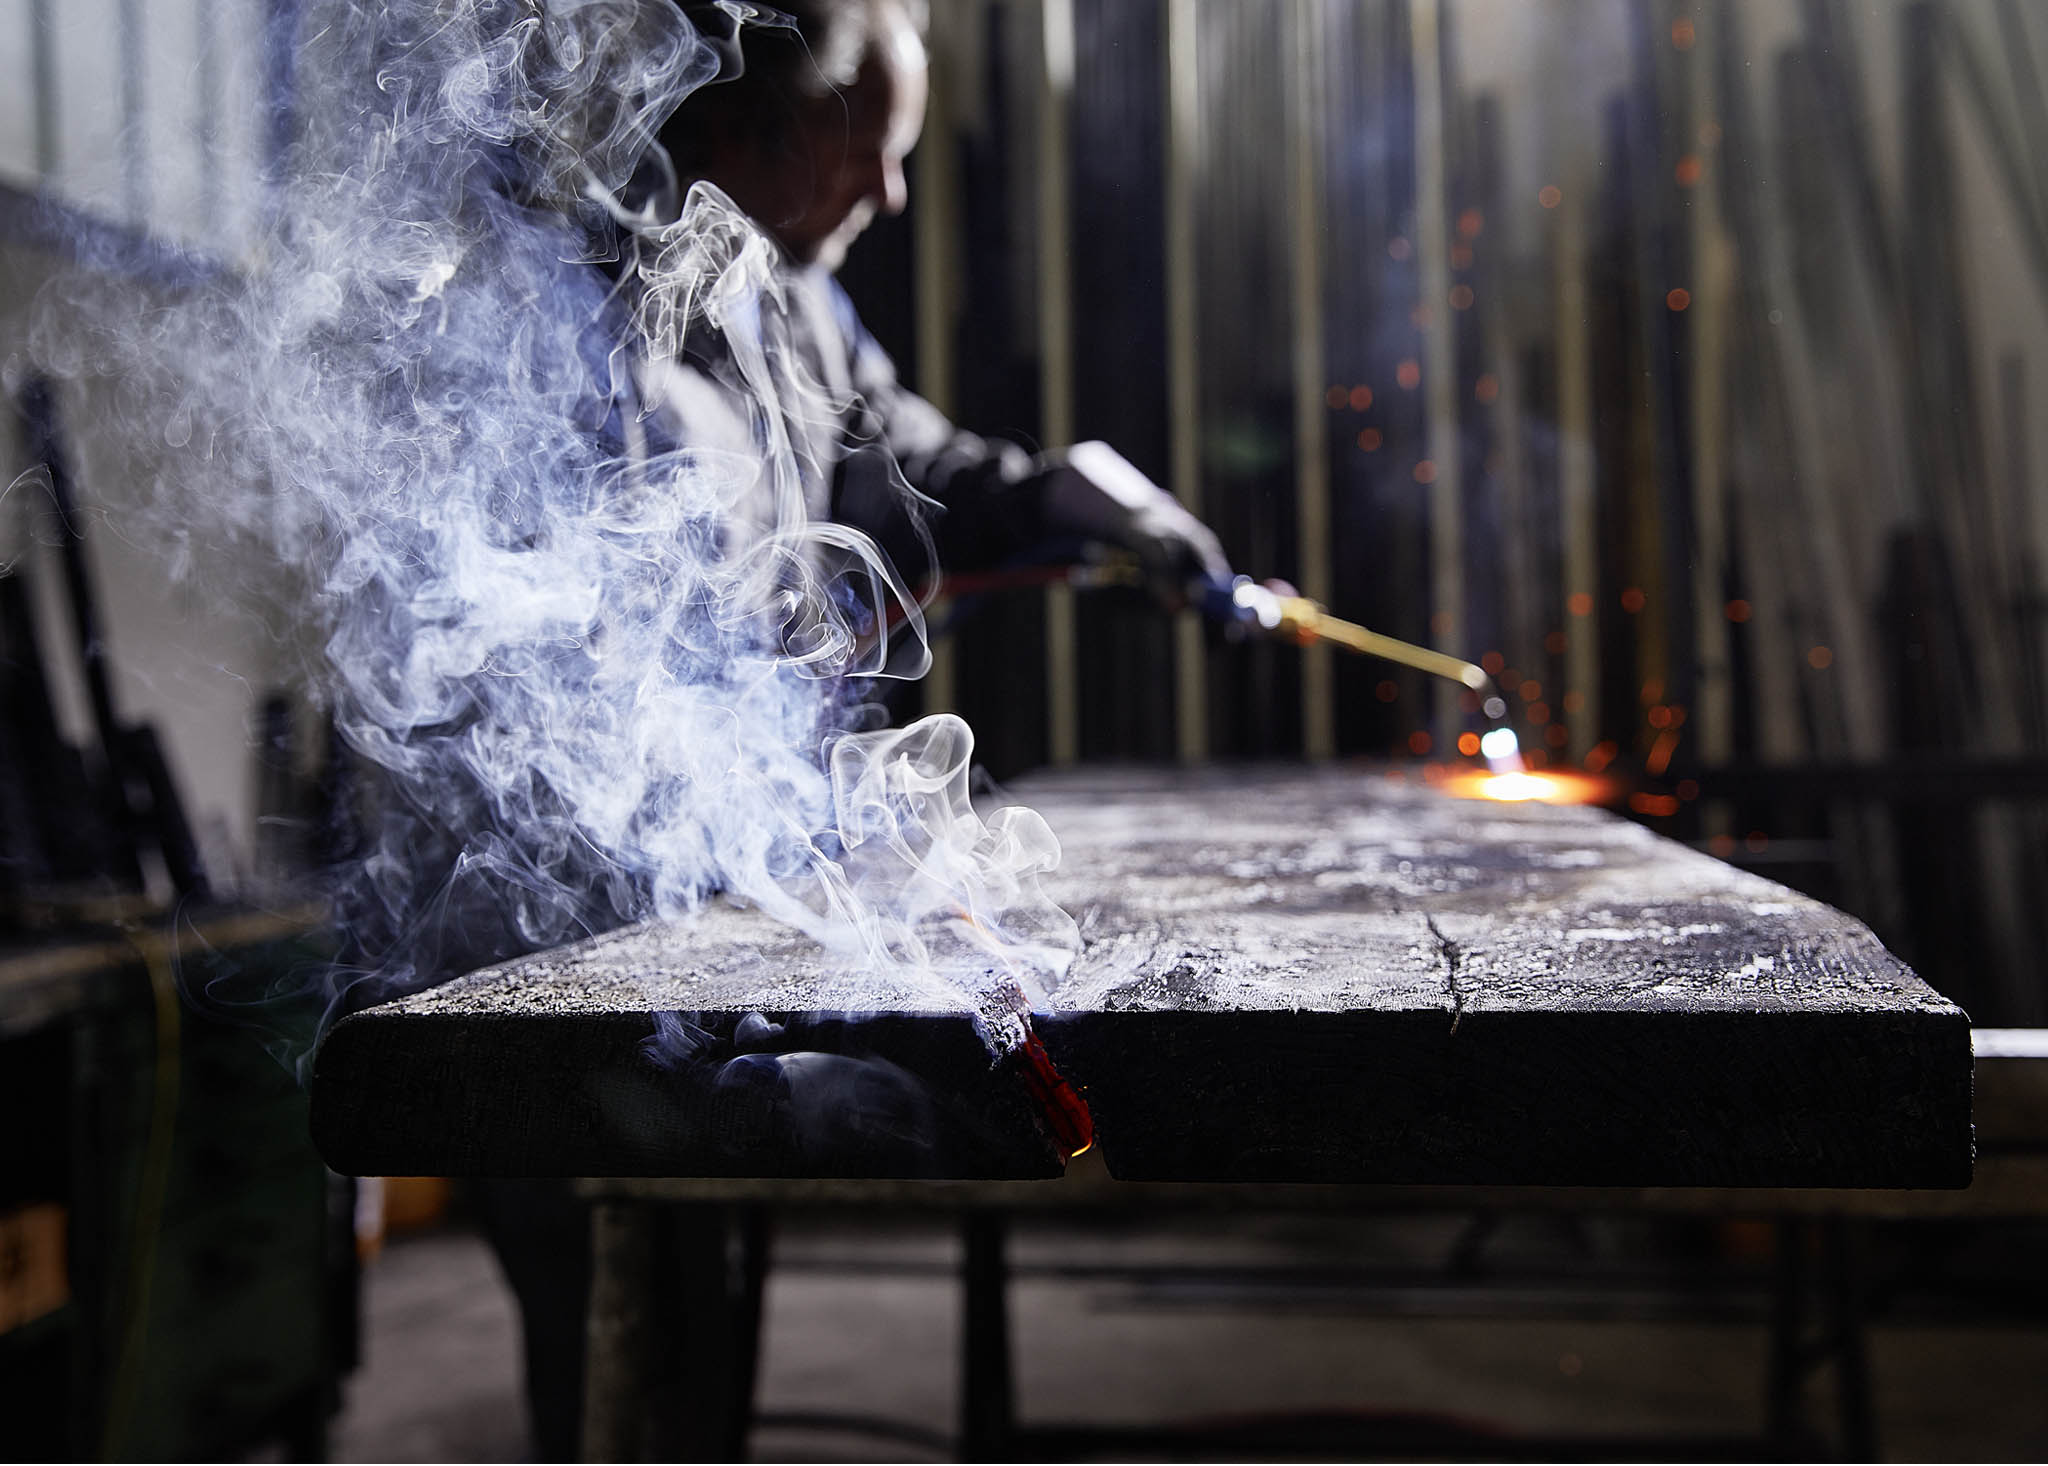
pixel 1100 495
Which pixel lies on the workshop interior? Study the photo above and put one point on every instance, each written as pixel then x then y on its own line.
pixel 1619 419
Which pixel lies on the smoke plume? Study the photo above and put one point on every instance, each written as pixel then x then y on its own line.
pixel 593 675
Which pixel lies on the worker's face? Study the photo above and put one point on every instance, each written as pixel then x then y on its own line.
pixel 845 160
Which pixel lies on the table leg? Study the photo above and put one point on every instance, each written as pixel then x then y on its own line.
pixel 709 1275
pixel 987 1408
pixel 1785 1418
pixel 1846 1326
pixel 615 1376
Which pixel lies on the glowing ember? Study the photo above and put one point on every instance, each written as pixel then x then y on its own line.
pixel 1527 788
pixel 1065 1112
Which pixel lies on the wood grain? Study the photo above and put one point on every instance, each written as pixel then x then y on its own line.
pixel 1286 976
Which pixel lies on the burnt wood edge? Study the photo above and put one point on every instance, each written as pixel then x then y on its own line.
pixel 1552 1098
pixel 884 1095
pixel 1561 1098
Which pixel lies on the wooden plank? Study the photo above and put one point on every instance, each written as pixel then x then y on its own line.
pixel 1343 979
pixel 1285 976
pixel 770 1065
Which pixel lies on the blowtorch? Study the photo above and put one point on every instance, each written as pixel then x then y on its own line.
pixel 1244 607
pixel 1245 604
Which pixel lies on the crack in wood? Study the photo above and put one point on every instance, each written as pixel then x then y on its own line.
pixel 1449 949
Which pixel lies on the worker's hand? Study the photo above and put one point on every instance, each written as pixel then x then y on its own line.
pixel 1102 496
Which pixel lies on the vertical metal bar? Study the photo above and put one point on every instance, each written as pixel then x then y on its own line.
pixel 1712 304
pixel 1523 617
pixel 1311 423
pixel 1575 476
pixel 2026 87
pixel 208 76
pixel 1439 358
pixel 1183 145
pixel 1759 456
pixel 1652 110
pixel 1056 351
pixel 937 222
pixel 2024 530
pixel 43 60
pixel 134 160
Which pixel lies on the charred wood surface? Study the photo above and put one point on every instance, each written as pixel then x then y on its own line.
pixel 1284 977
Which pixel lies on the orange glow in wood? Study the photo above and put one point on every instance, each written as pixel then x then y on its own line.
pixel 1066 1113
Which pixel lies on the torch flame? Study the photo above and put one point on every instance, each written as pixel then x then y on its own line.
pixel 1528 788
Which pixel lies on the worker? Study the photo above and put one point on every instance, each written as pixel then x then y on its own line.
pixel 806 132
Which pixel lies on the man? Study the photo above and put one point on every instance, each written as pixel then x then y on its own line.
pixel 806 132
pixel 808 136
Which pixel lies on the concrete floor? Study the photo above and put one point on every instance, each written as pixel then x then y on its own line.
pixel 1194 1321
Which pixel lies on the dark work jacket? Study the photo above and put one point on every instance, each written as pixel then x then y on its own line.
pixel 873 455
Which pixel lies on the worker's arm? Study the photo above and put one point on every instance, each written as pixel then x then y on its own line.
pixel 985 502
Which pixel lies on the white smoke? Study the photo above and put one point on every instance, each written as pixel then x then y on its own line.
pixel 596 678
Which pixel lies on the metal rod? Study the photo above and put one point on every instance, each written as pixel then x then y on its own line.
pixel 1439 348
pixel 1311 422
pixel 1713 280
pixel 134 162
pixel 937 222
pixel 1056 351
pixel 1183 144
pixel 43 60
pixel 1575 476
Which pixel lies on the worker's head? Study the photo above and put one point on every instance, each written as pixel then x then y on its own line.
pixel 810 136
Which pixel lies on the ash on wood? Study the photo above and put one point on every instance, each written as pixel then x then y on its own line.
pixel 1285 977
